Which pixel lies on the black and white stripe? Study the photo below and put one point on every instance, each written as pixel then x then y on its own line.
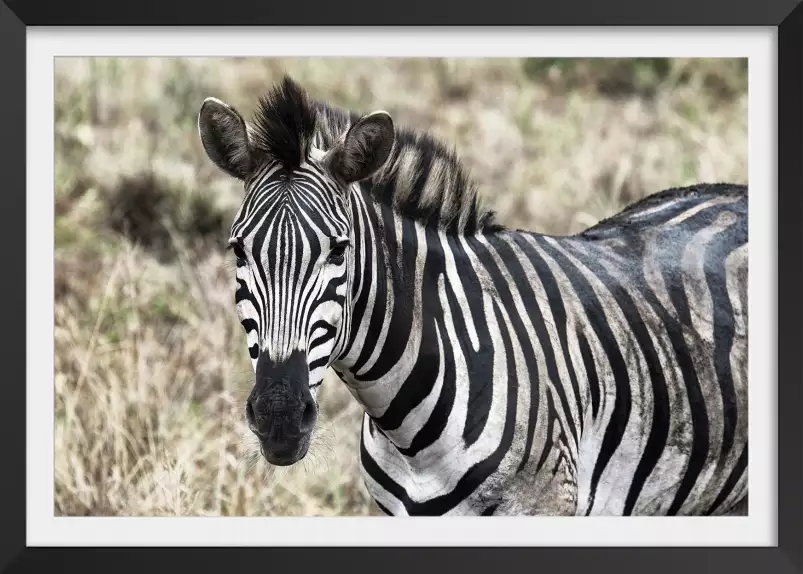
pixel 504 371
pixel 289 238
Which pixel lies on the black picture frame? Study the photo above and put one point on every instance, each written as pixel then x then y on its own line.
pixel 16 15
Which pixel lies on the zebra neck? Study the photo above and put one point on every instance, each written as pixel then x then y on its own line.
pixel 433 314
pixel 410 322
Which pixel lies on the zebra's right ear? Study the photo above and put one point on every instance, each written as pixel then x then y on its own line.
pixel 224 136
pixel 364 149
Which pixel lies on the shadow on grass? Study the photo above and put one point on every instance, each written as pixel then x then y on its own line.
pixel 161 219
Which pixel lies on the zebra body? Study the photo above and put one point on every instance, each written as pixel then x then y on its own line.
pixel 501 371
pixel 616 369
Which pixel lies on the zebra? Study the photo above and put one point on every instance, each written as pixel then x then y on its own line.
pixel 501 371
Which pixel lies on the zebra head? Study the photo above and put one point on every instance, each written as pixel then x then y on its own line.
pixel 292 240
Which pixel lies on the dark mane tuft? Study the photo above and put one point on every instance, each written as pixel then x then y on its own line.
pixel 284 124
pixel 422 179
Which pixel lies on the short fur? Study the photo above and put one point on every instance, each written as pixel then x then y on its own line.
pixel 626 218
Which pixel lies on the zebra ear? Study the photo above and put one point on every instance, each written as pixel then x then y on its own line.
pixel 225 138
pixel 364 149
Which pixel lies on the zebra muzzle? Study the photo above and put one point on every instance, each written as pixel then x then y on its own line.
pixel 281 410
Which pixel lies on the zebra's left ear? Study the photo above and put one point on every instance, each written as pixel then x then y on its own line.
pixel 225 138
pixel 364 149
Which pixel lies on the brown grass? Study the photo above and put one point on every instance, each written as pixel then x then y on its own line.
pixel 151 367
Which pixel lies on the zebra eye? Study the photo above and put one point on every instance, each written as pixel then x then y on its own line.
pixel 338 253
pixel 238 252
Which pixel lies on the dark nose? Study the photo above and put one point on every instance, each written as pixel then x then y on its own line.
pixel 274 415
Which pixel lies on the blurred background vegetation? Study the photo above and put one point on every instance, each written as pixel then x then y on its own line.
pixel 151 368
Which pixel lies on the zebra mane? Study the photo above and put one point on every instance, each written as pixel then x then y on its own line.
pixel 422 179
pixel 284 124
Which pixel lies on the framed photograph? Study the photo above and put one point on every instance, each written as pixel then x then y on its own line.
pixel 300 293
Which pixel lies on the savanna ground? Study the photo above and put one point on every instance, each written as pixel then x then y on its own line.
pixel 151 368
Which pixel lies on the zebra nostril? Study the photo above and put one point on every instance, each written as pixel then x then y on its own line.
pixel 249 415
pixel 308 417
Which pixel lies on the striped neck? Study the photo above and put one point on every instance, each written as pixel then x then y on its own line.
pixel 407 306
pixel 432 312
pixel 395 271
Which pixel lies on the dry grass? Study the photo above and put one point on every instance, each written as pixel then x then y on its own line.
pixel 151 367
